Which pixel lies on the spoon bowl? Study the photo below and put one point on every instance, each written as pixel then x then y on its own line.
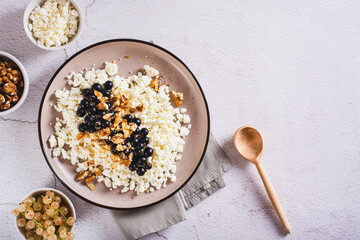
pixel 249 144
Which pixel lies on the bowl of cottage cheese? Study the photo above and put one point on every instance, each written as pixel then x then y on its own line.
pixel 124 124
pixel 52 24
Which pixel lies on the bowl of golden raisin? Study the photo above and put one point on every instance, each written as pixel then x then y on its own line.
pixel 45 213
pixel 14 84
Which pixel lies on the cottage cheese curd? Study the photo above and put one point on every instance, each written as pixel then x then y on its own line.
pixel 54 23
pixel 168 126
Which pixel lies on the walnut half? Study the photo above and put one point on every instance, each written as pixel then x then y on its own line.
pixel 10 88
pixel 177 97
pixel 155 84
pixel 2 98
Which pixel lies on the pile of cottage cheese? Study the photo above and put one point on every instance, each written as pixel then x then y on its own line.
pixel 168 126
pixel 54 23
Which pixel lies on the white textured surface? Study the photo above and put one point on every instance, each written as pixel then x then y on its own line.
pixel 290 68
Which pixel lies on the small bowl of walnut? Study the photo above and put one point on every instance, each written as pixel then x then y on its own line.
pixel 14 84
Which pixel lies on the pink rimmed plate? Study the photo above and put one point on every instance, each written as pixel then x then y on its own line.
pixel 180 78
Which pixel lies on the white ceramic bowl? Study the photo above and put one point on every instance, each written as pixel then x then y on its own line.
pixel 64 199
pixel 30 7
pixel 9 57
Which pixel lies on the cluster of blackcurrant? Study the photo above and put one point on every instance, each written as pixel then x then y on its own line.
pixel 93 120
pixel 136 143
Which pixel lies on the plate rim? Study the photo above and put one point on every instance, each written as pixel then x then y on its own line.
pixel 98 44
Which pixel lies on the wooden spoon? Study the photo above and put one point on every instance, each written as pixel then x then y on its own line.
pixel 249 144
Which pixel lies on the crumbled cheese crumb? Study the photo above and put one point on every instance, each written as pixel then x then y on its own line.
pixel 111 68
pixel 52 141
pixel 151 72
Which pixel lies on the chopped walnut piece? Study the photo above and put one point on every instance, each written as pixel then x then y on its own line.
pixel 155 84
pixel 120 147
pixel 102 106
pixel 131 155
pixel 116 128
pixel 127 133
pixel 90 179
pixel 121 101
pixel 103 99
pixel 16 80
pixel 97 171
pixel 2 98
pixel 104 133
pixel 143 71
pixel 106 147
pixel 116 120
pixel 118 139
pixel 6 79
pixel 101 142
pixel 126 128
pixel 10 88
pixel 126 163
pixel 14 98
pixel 133 126
pixel 140 108
pixel 120 111
pixel 98 94
pixel 89 163
pixel 124 102
pixel 122 155
pixel 80 136
pixel 91 186
pixel 132 110
pixel 93 136
pixel 82 175
pixel 15 72
pixel 114 158
pixel 115 101
pixel 5 106
pixel 107 116
pixel 177 97
pixel 10 76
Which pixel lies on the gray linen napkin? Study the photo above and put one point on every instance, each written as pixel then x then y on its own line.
pixel 207 179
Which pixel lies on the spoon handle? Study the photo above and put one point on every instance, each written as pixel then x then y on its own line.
pixel 273 198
